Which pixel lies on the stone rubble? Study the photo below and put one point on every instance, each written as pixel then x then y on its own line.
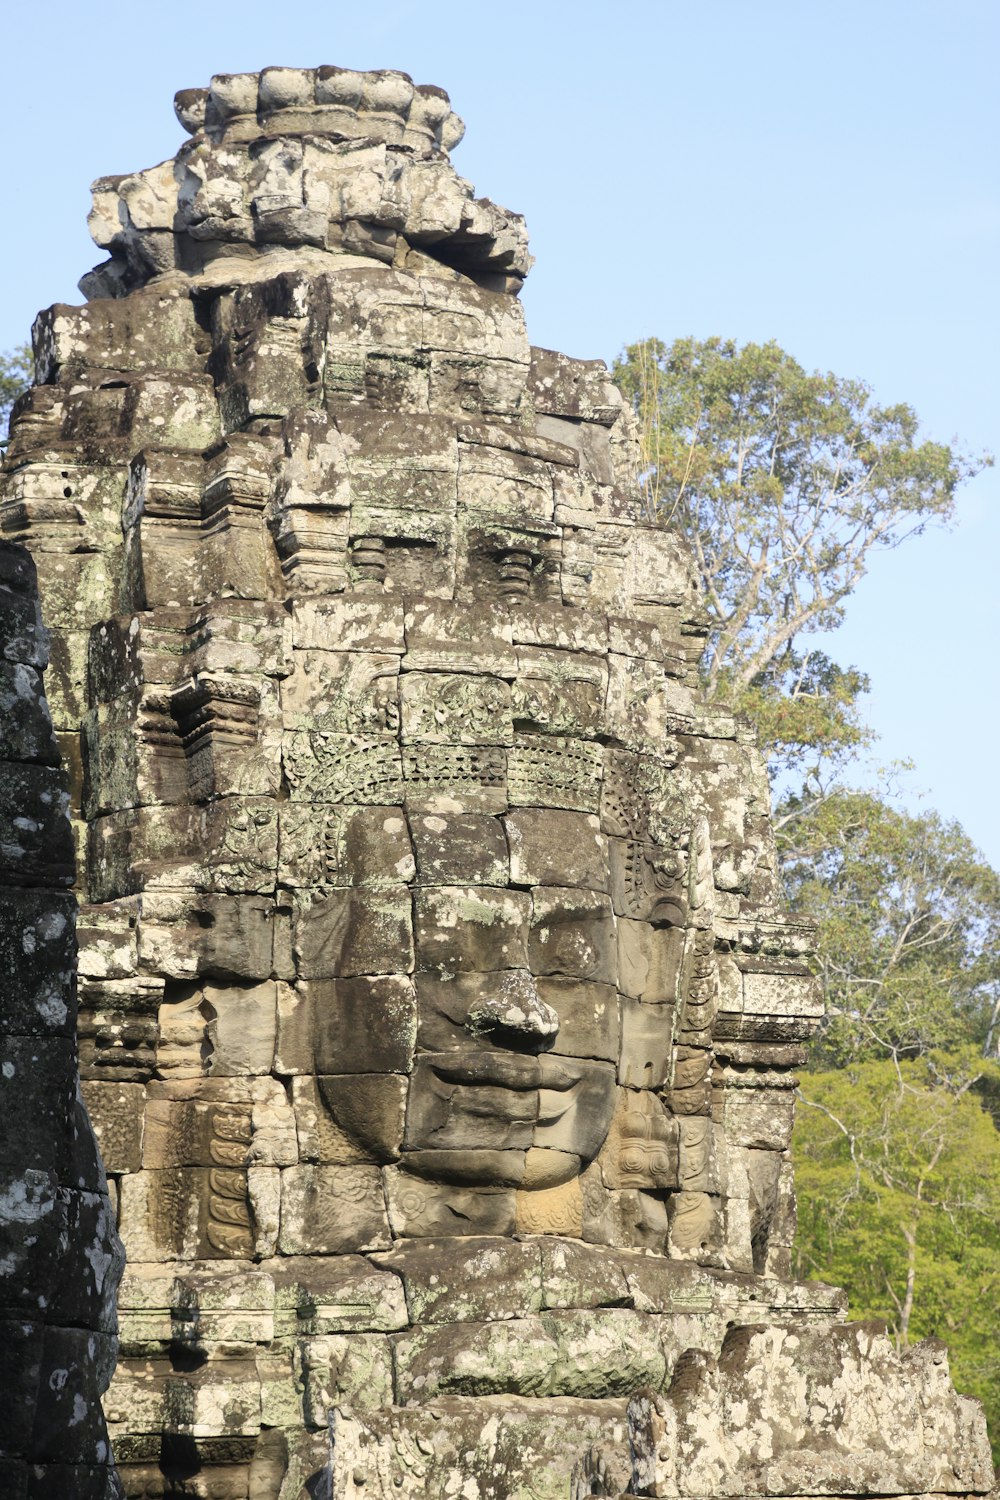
pixel 439 1018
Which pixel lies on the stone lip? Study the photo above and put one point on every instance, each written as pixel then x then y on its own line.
pixel 320 161
pixel 506 1070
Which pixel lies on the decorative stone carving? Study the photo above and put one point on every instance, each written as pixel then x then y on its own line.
pixel 438 1016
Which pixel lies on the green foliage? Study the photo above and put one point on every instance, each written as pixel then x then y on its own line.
pixel 896 1143
pixel 16 373
pixel 805 709
pixel 784 482
pixel 908 917
pixel 898 1170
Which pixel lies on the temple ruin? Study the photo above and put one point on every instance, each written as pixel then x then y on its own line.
pixel 438 1015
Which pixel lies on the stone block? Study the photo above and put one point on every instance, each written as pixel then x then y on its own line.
pixel 352 1370
pixel 293 1049
pixel 493 1114
pixel 330 1210
pixel 581 1276
pixel 588 1016
pixel 34 826
pixel 343 933
pixel 605 1352
pixel 808 1431
pixel 575 1107
pixel 47 1223
pixel 70 1357
pixel 66 679
pixel 193 1132
pixel 471 927
pixel 320 1138
pixel 760 1118
pixel 42 1140
pixel 186 1213
pixel 572 934
pixel 449 1280
pixel 107 940
pixel 454 708
pixel 453 1006
pixel 37 951
pixel 554 771
pixel 363 1025
pixel 344 846
pixel 196 1307
pixel 649 961
pixel 553 848
pixel 349 624
pixel 418 1209
pixel 228 846
pixel 25 725
pixel 116 1113
pixel 24 638
pixel 338 1294
pixel 647 1044
pixel 443 637
pixel 342 692
pixel 535 1445
pixel 212 934
pixel 369 1108
pixel 459 847
pixel 220 1031
pixel 114 333
pixel 440 779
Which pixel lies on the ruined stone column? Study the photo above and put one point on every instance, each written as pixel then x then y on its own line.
pixel 439 1013
pixel 60 1258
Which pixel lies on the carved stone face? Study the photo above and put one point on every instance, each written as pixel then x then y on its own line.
pixel 517 1012
pixel 489 918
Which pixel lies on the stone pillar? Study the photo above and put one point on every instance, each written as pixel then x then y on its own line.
pixel 60 1256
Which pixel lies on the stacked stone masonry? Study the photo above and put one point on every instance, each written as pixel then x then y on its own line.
pixel 59 1252
pixel 439 1018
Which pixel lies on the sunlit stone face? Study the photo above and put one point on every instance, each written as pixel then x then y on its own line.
pixel 489 917
pixel 517 1009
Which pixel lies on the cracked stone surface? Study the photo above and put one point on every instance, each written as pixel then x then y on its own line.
pixel 438 1014
pixel 60 1256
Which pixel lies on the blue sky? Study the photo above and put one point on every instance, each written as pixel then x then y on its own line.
pixel 823 175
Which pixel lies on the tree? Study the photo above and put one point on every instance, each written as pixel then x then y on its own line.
pixel 908 915
pixel 806 712
pixel 896 1139
pixel 16 373
pixel 898 1181
pixel 784 484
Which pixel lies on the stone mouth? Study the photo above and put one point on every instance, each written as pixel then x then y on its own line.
pixel 508 1071
pixel 552 1105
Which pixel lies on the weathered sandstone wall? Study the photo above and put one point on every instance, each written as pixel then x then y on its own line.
pixel 439 1016
pixel 60 1257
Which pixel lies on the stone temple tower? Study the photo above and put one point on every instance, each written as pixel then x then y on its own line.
pixel 439 1016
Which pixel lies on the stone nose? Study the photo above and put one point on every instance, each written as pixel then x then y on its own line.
pixel 513 1014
